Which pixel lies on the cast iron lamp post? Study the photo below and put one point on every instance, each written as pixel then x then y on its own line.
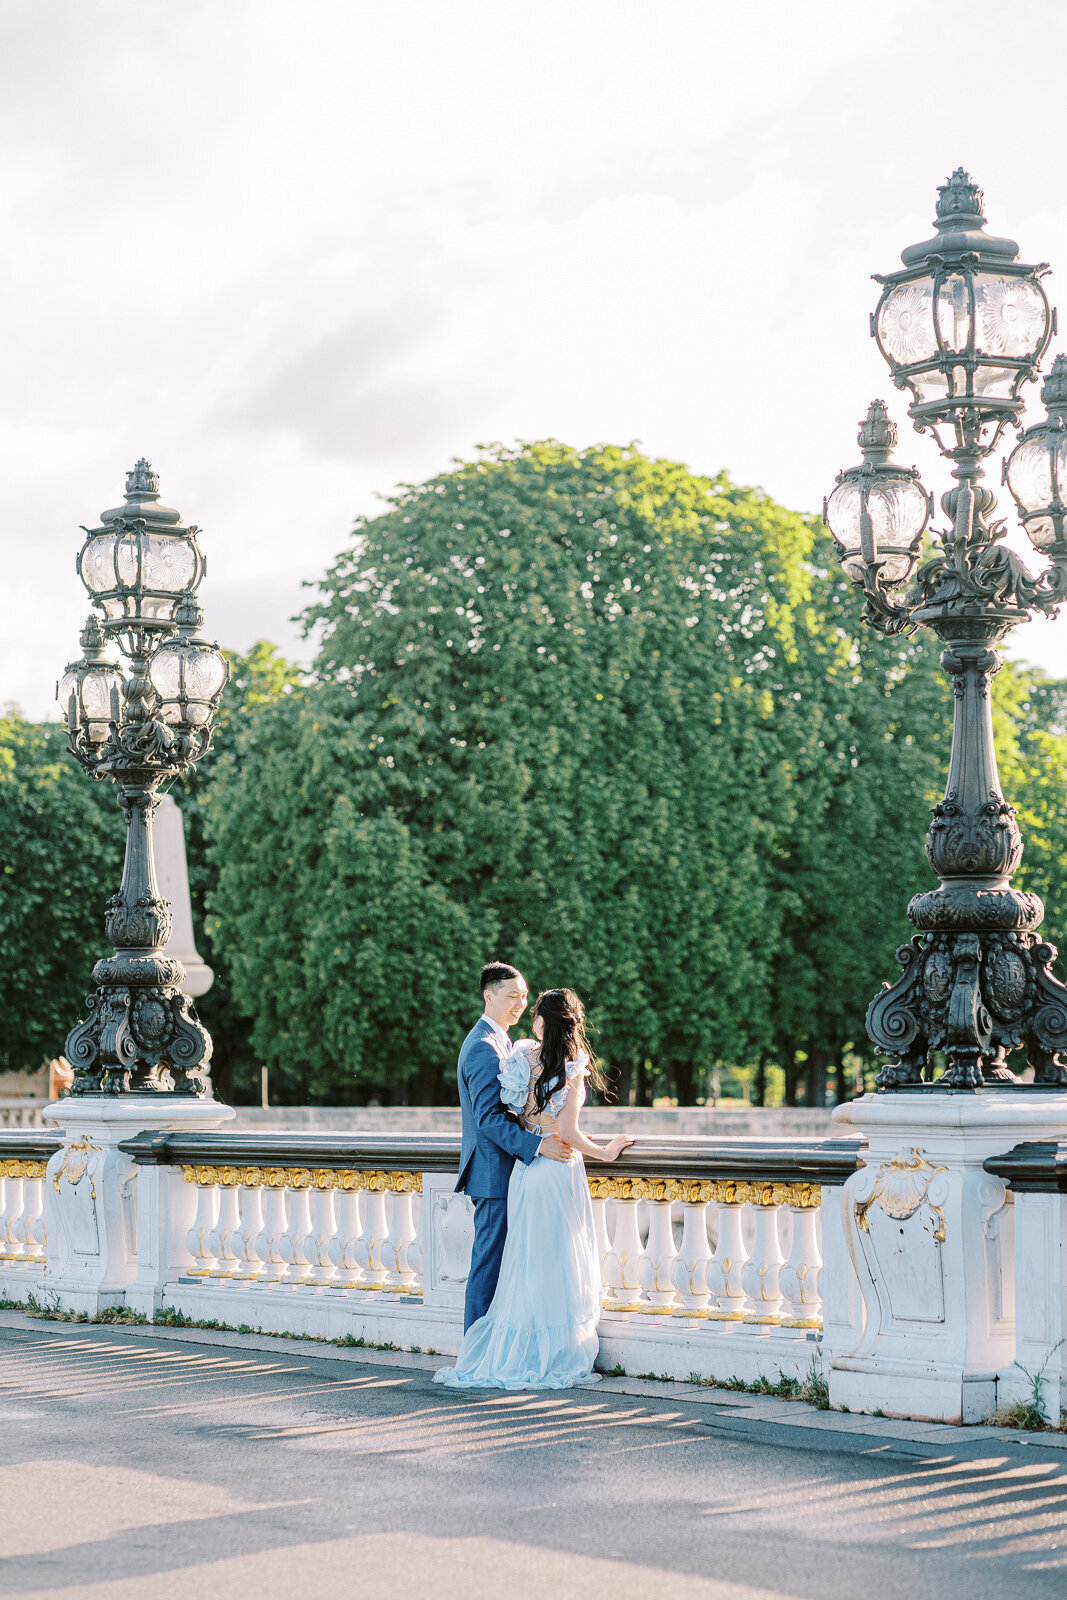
pixel 963 327
pixel 142 728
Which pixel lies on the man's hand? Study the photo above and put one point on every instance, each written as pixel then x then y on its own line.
pixel 553 1147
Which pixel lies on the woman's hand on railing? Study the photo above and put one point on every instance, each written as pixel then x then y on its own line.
pixel 615 1147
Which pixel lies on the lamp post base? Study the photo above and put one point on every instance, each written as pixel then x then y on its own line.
pixel 91 1192
pixel 925 1239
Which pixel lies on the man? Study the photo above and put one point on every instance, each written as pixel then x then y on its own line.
pixel 492 1142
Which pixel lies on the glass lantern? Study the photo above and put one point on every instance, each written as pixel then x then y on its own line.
pixel 879 510
pixel 187 673
pixel 1036 470
pixel 141 560
pixel 89 690
pixel 965 325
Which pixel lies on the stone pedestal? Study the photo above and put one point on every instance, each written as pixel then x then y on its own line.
pixel 172 875
pixel 91 1191
pixel 926 1238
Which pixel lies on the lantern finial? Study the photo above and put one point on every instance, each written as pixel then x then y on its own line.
pixel 959 198
pixel 878 433
pixel 142 483
pixel 1054 389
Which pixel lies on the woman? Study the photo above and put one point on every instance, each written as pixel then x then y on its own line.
pixel 540 1331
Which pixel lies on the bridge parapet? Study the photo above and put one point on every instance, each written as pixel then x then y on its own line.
pixel 711 1249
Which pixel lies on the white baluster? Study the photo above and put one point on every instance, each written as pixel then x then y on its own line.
pixel 250 1201
pixel 35 1229
pixel 23 1223
pixel 622 1264
pixel 320 1235
pixel 600 1229
pixel 345 1241
pixel 397 1243
pixel 291 1243
pixel 654 1271
pixel 268 1245
pixel 199 1235
pixel 799 1278
pixel 11 1247
pixel 689 1274
pixel 727 1265
pixel 221 1239
pixel 371 1240
pixel 760 1276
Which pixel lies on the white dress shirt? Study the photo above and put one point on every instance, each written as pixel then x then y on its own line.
pixel 501 1033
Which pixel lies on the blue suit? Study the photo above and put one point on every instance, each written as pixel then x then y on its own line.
pixel 492 1143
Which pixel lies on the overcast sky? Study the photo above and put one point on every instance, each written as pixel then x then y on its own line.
pixel 295 253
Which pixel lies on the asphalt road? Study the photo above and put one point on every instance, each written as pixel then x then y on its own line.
pixel 139 1467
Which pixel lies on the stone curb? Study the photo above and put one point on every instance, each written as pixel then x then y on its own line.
pixel 725 1402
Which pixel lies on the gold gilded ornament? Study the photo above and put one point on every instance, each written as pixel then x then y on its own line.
pixel 900 1187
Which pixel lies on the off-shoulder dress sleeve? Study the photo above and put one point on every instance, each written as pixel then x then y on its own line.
pixel 578 1068
pixel 514 1077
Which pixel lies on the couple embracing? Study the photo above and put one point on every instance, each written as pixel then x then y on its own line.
pixel 534 1291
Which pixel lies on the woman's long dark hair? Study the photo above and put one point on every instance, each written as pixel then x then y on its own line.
pixel 563 1015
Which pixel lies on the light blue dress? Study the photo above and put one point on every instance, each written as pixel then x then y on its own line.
pixel 540 1331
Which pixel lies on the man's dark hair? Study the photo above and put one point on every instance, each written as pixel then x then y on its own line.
pixel 495 972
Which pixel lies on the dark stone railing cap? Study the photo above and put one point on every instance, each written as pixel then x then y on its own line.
pixel 827 1161
pixel 1037 1167
pixel 28 1144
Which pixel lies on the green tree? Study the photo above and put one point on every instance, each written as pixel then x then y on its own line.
pixel 545 676
pixel 61 858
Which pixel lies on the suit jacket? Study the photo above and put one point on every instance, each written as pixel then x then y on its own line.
pixel 492 1142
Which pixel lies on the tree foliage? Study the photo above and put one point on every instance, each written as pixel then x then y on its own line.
pixel 60 859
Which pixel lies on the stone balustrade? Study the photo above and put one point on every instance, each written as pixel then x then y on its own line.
pixel 892 1272
pixel 23 1158
pixel 710 1249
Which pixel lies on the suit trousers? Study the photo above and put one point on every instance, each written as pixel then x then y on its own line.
pixel 490 1232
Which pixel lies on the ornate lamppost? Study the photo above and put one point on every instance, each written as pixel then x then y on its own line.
pixel 963 326
pixel 142 727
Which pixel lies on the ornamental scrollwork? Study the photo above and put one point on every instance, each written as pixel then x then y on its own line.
pixel 74 1163
pixel 234 1177
pixel 13 1167
pixel 726 1192
pixel 900 1188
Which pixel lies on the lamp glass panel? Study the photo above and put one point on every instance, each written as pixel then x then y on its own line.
pixel 1009 316
pixel 954 313
pixel 96 687
pixel 906 324
pixel 854 568
pixel 66 687
pixel 98 563
pixel 127 559
pixel 1030 473
pixel 1041 532
pixel 165 673
pixel 994 382
pixel 897 510
pixel 843 516
pixel 205 673
pixel 896 568
pixel 169 563
pixel 931 385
